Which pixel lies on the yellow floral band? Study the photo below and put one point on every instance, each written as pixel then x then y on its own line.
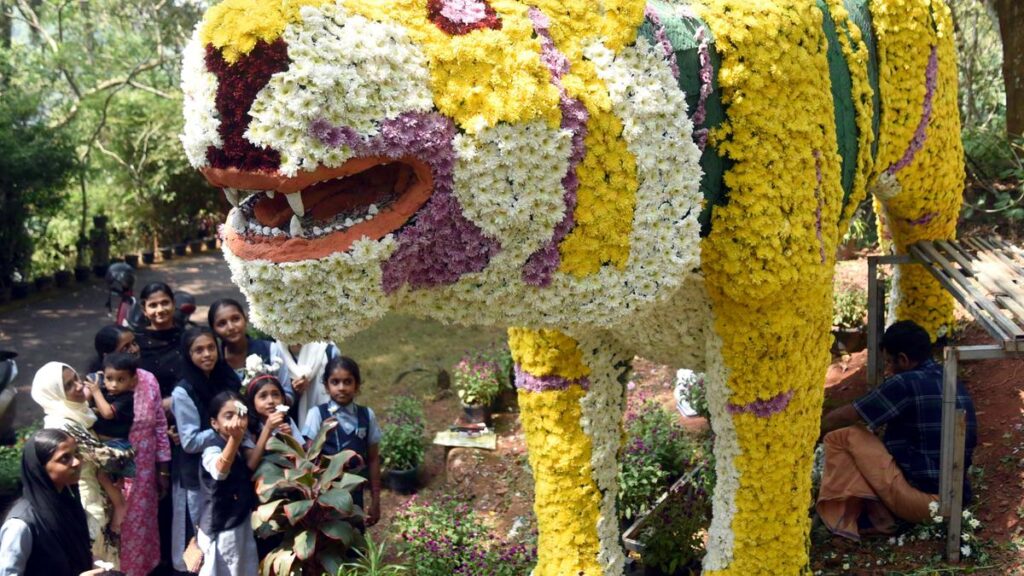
pixel 612 177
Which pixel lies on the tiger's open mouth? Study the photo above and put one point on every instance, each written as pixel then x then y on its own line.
pixel 319 213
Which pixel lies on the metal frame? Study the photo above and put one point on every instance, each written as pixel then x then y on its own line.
pixel 986 310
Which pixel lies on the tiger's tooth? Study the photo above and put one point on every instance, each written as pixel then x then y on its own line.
pixel 232 196
pixel 295 201
pixel 349 223
pixel 270 194
pixel 372 210
pixel 236 220
pixel 296 227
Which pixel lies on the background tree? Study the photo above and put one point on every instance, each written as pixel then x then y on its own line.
pixel 1011 22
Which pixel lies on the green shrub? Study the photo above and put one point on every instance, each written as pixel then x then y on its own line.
pixel 477 380
pixel 849 308
pixel 401 443
pixel 673 538
pixel 658 451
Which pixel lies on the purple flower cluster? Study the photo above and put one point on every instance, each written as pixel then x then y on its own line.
pixel 531 383
pixel 923 219
pixel 763 408
pixel 706 74
pixel 659 32
pixel 442 244
pixel 541 265
pixel 930 77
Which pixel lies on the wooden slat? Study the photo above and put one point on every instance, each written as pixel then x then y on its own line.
pixel 953 250
pixel 949 374
pixel 998 254
pixel 1011 329
pixel 956 506
pixel 999 279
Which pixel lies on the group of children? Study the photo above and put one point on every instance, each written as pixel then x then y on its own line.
pixel 222 414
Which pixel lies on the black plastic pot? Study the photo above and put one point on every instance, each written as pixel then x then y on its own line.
pixel 63 278
pixel 196 246
pixel 132 260
pixel 167 253
pixel 44 283
pixel 179 249
pixel 82 273
pixel 5 294
pixel 20 290
pixel 211 243
pixel 148 257
pixel 100 270
pixel 403 481
pixel 476 414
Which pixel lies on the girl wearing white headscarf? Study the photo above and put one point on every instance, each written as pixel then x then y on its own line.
pixel 303 371
pixel 62 395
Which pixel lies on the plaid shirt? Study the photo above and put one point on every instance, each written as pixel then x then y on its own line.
pixel 910 405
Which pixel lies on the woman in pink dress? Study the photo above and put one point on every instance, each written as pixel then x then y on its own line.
pixel 140 532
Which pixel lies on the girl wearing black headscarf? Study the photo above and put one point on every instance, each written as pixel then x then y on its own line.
pixel 204 375
pixel 46 532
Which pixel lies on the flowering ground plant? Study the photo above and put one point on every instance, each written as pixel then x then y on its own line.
pixel 673 538
pixel 477 381
pixel 446 538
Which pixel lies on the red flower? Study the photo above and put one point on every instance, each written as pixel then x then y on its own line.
pixel 238 85
pixel 453 28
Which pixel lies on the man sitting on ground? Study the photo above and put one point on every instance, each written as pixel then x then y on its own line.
pixel 868 483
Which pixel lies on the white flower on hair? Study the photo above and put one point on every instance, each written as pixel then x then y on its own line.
pixel 241 409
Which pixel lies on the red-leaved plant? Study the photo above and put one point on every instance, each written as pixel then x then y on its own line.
pixel 307 498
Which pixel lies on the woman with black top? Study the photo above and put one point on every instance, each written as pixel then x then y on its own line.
pixel 46 532
pixel 160 342
pixel 229 322
pixel 204 375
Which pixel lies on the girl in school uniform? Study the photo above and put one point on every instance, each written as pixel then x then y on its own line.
pixel 225 525
pixel 357 428
pixel 229 322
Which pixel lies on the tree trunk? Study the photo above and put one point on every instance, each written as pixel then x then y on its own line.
pixel 1011 22
pixel 5 24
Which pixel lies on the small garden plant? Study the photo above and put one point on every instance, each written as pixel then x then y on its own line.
pixel 477 380
pixel 401 444
pixel 308 499
pixel 849 309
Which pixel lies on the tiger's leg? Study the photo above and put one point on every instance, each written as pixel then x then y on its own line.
pixel 919 186
pixel 571 401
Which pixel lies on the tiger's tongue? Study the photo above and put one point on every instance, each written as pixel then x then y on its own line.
pixel 325 200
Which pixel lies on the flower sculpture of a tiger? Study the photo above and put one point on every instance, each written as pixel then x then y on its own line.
pixel 607 178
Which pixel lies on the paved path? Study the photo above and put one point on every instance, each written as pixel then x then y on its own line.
pixel 60 326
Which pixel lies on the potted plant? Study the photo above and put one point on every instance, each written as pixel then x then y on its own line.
pixel 167 253
pixel 148 257
pixel 477 382
pixel 132 260
pixel 44 282
pixel 307 499
pixel 180 249
pixel 672 534
pixel 19 288
pixel 849 316
pixel 196 246
pixel 211 243
pixel 401 444
pixel 63 277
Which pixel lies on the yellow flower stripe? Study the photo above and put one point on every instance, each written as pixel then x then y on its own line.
pixel 605 200
pixel 566 501
pixel 855 52
pixel 933 183
pixel 547 353
pixel 770 290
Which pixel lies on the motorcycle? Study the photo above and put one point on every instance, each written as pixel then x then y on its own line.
pixel 8 372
